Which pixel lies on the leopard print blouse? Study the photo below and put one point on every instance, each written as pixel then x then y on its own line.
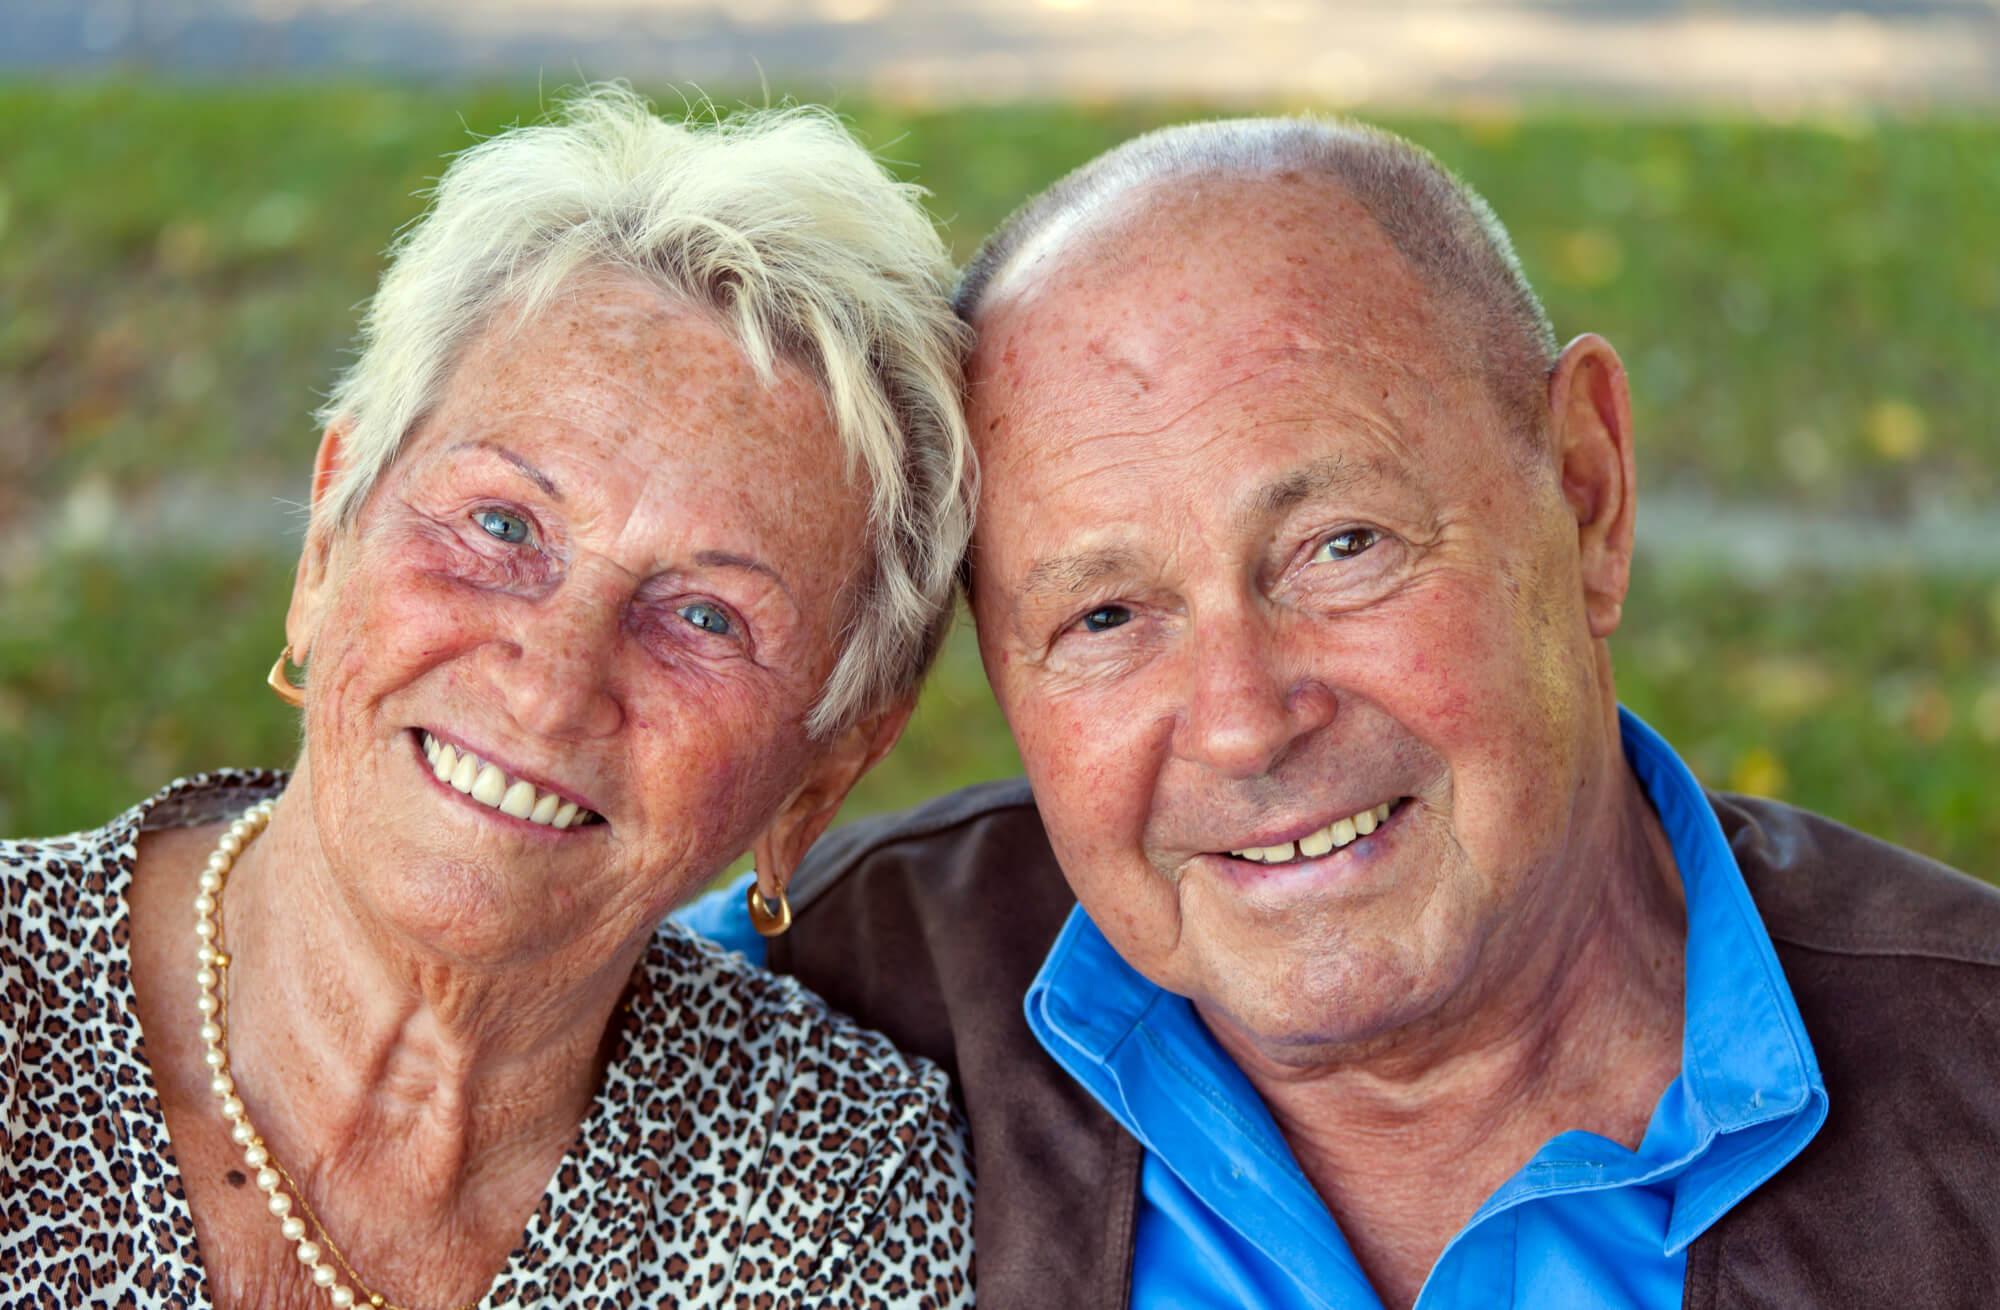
pixel 748 1147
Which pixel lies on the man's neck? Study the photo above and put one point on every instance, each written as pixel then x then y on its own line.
pixel 1405 1140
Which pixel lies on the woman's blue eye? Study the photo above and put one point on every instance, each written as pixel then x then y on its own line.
pixel 502 526
pixel 1347 543
pixel 706 617
pixel 1106 617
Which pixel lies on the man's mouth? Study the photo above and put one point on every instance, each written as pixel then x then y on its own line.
pixel 493 786
pixel 1339 833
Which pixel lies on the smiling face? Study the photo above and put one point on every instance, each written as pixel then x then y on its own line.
pixel 1253 563
pixel 609 566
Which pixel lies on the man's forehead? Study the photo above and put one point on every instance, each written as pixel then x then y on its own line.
pixel 1182 226
pixel 1221 273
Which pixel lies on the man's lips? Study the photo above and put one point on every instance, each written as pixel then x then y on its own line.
pixel 490 785
pixel 1324 840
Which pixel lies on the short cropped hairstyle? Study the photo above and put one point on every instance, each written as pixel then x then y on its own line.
pixel 778 224
pixel 1444 228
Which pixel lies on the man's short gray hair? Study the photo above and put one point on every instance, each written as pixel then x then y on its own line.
pixel 1444 228
pixel 779 224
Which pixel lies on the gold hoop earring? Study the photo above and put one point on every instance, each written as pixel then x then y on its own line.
pixel 280 682
pixel 768 921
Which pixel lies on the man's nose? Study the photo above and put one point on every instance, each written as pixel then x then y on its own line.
pixel 556 673
pixel 1247 701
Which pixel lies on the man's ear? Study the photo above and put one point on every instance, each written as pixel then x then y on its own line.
pixel 804 817
pixel 1591 414
pixel 316 558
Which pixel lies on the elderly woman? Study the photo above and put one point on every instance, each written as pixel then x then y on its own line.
pixel 632 531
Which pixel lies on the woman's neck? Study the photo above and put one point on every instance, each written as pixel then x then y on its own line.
pixel 351 1043
pixel 419 1107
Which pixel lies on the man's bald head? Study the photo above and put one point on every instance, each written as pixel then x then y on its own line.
pixel 1442 228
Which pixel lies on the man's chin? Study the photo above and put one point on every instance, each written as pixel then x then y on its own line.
pixel 1350 1006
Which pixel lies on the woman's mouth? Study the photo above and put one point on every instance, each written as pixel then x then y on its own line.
pixel 494 787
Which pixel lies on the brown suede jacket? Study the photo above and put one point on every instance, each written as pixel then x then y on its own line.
pixel 930 924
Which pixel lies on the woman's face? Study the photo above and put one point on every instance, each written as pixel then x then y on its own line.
pixel 611 566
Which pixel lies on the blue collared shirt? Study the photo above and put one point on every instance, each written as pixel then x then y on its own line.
pixel 1227 1218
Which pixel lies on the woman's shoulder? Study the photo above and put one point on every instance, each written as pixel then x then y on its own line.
pixel 61 891
pixel 834 1160
pixel 76 1183
pixel 771 1070
pixel 64 926
pixel 65 882
pixel 768 1023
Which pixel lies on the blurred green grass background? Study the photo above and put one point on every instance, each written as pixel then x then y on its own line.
pixel 1809 311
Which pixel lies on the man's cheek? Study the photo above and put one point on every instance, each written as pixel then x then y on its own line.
pixel 1444 672
pixel 1063 732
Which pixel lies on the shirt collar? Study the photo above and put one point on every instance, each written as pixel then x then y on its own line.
pixel 1750 1094
pixel 1743 1046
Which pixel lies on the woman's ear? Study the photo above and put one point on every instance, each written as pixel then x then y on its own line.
pixel 316 557
pixel 832 776
pixel 1591 413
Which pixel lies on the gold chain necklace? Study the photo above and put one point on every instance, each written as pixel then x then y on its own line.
pixel 272 1179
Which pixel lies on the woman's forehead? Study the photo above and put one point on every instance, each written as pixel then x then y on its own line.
pixel 619 404
pixel 622 334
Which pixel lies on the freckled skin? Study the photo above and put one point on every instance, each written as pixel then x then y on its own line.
pixel 567 657
pixel 1135 392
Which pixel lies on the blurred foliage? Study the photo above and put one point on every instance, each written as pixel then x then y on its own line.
pixel 1807 309
pixel 1873 699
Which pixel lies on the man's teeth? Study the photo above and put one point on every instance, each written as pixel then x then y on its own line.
pixel 489 785
pixel 1315 844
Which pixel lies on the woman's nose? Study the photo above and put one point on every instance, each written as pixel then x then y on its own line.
pixel 558 677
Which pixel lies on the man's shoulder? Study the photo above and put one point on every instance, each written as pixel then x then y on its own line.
pixel 984 826
pixel 1892 958
pixel 1894 961
pixel 1824 887
pixel 917 920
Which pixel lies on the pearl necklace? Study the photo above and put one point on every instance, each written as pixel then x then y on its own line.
pixel 272 1179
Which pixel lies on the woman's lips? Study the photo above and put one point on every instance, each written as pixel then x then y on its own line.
pixel 492 786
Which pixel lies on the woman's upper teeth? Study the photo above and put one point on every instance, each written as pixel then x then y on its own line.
pixel 1315 844
pixel 490 785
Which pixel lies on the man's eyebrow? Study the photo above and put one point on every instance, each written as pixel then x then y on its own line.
pixel 1065 574
pixel 520 463
pixel 1330 475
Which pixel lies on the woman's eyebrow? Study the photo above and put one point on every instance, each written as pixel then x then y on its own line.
pixel 722 559
pixel 520 463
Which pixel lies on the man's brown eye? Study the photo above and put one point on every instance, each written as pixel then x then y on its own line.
pixel 1346 544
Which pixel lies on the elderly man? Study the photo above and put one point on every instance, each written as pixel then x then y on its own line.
pixel 1403 968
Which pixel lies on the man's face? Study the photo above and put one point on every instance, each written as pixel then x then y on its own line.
pixel 1255 561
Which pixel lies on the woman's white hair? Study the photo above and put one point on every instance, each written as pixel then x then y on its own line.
pixel 786 230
